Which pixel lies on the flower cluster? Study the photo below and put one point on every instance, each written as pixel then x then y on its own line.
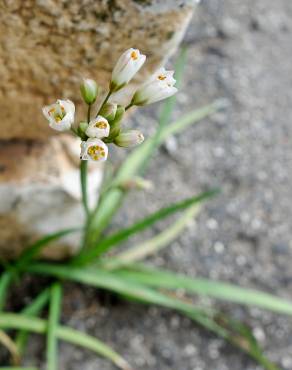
pixel 105 127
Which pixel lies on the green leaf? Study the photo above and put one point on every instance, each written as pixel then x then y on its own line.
pixel 237 334
pixel 33 309
pixel 153 245
pixel 5 281
pixel 242 337
pixel 54 316
pixel 9 344
pixel 35 325
pixel 105 280
pixel 32 251
pixel 87 256
pixel 207 318
pixel 26 257
pixel 168 280
pixel 190 118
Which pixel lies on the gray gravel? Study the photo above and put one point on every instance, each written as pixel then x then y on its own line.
pixel 242 51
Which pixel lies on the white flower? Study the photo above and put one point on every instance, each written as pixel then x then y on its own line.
pixel 94 150
pixel 98 128
pixel 159 87
pixel 129 138
pixel 60 114
pixel 127 66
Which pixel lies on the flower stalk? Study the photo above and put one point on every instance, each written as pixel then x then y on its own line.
pixel 83 180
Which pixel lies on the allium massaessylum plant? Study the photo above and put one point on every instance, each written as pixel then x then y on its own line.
pixel 122 273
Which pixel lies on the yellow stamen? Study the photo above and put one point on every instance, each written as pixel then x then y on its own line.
pixel 161 77
pixel 96 152
pixel 134 55
pixel 101 124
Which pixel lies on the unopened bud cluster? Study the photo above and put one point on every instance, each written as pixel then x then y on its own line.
pixel 106 126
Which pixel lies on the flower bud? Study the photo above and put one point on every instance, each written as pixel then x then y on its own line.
pixel 83 126
pixel 127 66
pixel 89 90
pixel 82 129
pixel 129 138
pixel 115 125
pixel 108 111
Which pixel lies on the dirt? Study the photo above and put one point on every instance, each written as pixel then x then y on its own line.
pixel 240 51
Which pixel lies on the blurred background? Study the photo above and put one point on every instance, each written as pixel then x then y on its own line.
pixel 240 51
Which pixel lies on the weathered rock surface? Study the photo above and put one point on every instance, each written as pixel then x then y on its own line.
pixel 40 194
pixel 46 46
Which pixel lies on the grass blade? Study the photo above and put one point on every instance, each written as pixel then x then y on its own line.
pixel 90 343
pixel 27 256
pixel 5 281
pixel 168 280
pixel 205 317
pixel 39 326
pixel 155 244
pixel 54 316
pixel 31 310
pixel 9 344
pixel 190 118
pixel 106 280
pixel 87 256
pixel 32 251
pixel 237 334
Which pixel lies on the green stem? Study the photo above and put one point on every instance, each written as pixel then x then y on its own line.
pixel 88 113
pixel 54 314
pixel 104 102
pixel 31 310
pixel 5 281
pixel 128 106
pixel 83 179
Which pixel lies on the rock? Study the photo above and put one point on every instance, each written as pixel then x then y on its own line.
pixel 46 47
pixel 40 194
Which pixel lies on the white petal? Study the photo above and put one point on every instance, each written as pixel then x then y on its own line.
pixel 121 63
pixel 163 94
pixel 63 125
pixel 163 72
pixel 68 105
pixel 47 109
